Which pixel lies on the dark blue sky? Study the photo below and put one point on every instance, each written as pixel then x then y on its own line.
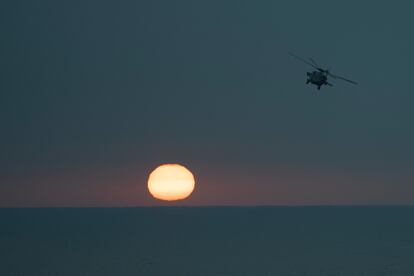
pixel 95 94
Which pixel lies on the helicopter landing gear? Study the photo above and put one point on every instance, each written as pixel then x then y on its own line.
pixel 319 87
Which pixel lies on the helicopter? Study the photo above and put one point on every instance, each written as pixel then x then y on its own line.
pixel 319 77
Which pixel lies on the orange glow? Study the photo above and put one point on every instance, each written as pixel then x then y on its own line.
pixel 171 182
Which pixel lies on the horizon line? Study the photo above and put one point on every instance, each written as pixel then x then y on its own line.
pixel 214 206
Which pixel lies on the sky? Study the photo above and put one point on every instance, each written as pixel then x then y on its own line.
pixel 95 94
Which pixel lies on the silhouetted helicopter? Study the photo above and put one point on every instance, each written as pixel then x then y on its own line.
pixel 319 77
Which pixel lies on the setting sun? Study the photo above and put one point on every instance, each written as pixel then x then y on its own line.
pixel 171 182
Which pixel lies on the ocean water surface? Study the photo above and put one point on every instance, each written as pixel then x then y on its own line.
pixel 208 241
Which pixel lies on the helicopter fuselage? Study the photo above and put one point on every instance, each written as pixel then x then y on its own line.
pixel 317 78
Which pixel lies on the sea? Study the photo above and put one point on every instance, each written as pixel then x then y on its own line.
pixel 264 240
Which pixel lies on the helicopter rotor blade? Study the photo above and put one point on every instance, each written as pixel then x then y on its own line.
pixel 342 78
pixel 303 60
pixel 313 62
